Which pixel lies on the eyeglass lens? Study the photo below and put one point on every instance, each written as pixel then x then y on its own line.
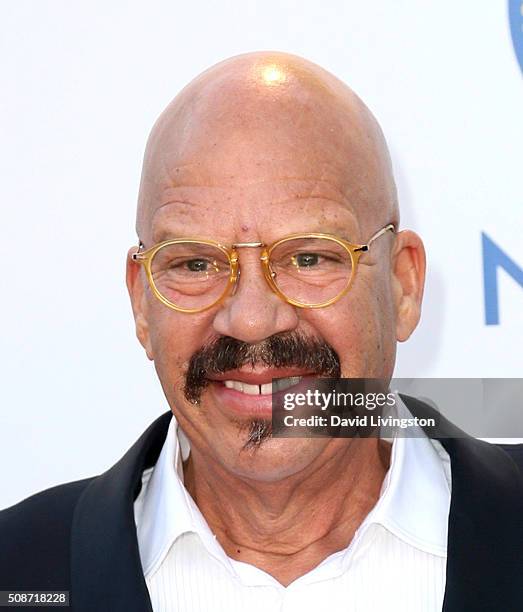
pixel 311 271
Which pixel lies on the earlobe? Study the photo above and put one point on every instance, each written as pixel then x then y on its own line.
pixel 408 282
pixel 135 286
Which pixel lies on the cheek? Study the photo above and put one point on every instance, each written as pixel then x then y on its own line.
pixel 361 329
pixel 175 337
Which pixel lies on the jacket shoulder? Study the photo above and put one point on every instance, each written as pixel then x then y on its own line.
pixel 35 539
pixel 515 452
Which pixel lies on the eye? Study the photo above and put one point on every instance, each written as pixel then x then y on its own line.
pixel 306 260
pixel 197 265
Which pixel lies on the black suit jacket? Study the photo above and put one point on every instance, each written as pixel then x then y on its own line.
pixel 81 536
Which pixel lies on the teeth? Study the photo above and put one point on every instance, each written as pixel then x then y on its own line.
pixel 285 383
pixel 265 389
pixel 234 384
pixel 251 389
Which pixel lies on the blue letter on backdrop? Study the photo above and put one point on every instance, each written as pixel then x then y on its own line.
pixel 494 257
pixel 515 13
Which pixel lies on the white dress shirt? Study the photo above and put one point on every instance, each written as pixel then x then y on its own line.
pixel 395 562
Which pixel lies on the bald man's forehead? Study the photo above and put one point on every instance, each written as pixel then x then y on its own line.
pixel 227 189
pixel 245 167
pixel 262 122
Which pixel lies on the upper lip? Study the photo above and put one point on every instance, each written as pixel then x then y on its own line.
pixel 258 377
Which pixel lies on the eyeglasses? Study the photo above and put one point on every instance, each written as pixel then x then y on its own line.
pixel 306 270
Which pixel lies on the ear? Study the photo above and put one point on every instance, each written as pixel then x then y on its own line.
pixel 408 280
pixel 136 286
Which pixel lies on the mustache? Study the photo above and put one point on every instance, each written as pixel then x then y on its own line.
pixel 287 349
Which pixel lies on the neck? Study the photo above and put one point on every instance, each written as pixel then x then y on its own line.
pixel 288 527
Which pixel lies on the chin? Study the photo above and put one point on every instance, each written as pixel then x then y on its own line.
pixel 275 458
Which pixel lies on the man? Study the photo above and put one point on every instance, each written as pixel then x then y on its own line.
pixel 269 249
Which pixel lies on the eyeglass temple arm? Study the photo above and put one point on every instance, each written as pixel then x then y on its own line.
pixel 137 255
pixel 388 228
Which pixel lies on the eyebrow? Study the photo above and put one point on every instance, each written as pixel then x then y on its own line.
pixel 166 234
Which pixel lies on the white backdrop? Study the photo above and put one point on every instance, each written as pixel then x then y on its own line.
pixel 82 83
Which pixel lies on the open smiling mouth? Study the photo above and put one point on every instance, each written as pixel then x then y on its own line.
pixel 247 394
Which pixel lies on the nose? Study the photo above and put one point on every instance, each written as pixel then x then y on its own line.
pixel 253 312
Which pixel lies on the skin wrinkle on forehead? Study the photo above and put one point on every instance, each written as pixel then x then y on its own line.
pixel 323 212
pixel 176 220
pixel 302 188
pixel 227 107
pixel 318 189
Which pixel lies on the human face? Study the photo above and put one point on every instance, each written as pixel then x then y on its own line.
pixel 358 328
pixel 239 179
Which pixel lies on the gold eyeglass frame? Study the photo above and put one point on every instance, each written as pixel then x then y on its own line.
pixel 355 251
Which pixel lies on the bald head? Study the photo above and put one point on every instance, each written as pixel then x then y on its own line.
pixel 262 117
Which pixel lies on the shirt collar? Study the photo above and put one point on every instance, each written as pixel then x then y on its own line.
pixel 415 496
pixel 414 502
pixel 167 510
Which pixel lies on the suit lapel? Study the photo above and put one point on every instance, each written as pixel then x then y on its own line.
pixel 106 571
pixel 485 537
